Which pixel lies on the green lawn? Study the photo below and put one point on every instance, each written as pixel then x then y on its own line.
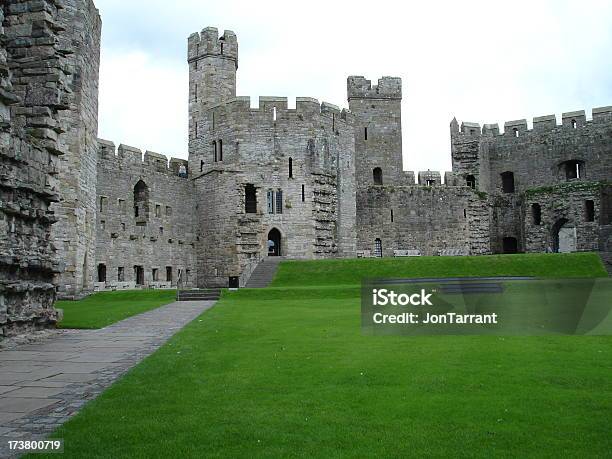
pixel 106 308
pixel 285 372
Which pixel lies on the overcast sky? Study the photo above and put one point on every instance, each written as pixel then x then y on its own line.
pixel 482 61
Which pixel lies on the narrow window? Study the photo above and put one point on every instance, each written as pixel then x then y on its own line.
pixel 196 94
pixel 196 129
pixel 391 215
pixel 273 113
pixel 507 182
pixel 123 227
pixel 201 166
pixel 303 193
pixel 237 148
pixel 574 124
pixel 589 210
pixel 279 202
pixel 121 274
pixel 157 210
pixel 464 213
pixel 121 205
pixel 102 225
pixel 222 49
pixel 161 230
pixel 574 169
pixel 250 199
pixel 214 151
pixel 516 132
pixel 472 132
pixel 333 122
pixel 101 272
pixel 168 211
pixel 213 120
pixel 270 201
pixel 141 200
pixel 378 248
pixel 430 182
pixel 470 181
pixel 290 167
pixel 168 273
pixel 220 150
pixel 536 214
pixel 102 204
pixel 377 176
pixel 365 133
pixel 155 274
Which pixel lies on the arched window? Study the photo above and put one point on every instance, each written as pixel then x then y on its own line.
pixel 378 176
pixel 290 167
pixel 507 182
pixel 141 200
pixel 470 181
pixel 516 132
pixel 378 248
pixel 574 124
pixel 214 144
pixel 536 214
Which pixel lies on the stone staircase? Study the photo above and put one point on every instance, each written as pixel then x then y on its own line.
pixel 208 294
pixel 264 273
pixel 606 257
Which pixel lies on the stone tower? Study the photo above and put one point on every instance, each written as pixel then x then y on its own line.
pixel 213 61
pixel 378 130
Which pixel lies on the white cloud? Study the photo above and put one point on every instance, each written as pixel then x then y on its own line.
pixel 481 61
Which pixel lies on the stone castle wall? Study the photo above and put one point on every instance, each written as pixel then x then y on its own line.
pixel 161 238
pixel 75 234
pixel 557 167
pixel 35 104
pixel 307 153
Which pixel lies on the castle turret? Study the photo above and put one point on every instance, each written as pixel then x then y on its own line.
pixel 378 130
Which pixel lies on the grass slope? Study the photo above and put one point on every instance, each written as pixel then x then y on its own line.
pixel 351 271
pixel 285 372
pixel 106 308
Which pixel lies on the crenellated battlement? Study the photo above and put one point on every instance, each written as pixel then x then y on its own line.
pixel 276 108
pixel 360 88
pixel 126 155
pixel 516 128
pixel 208 43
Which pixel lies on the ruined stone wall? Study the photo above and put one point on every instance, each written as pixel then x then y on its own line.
pixel 34 95
pixel 160 237
pixel 307 153
pixel 75 234
pixel 429 219
pixel 539 159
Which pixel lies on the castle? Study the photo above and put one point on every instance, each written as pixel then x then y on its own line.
pixel 78 214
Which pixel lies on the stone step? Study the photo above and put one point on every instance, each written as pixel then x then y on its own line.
pixel 264 272
pixel 199 295
pixel 606 257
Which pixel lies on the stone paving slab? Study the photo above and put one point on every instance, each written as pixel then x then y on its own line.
pixel 44 384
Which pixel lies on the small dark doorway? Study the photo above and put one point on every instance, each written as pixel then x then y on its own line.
pixel 139 275
pixel 378 176
pixel 507 182
pixel 101 272
pixel 510 245
pixel 274 243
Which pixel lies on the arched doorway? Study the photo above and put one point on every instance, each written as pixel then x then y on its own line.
pixel 510 245
pixel 564 236
pixel 274 243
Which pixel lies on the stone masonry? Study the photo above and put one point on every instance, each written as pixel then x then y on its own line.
pixel 314 181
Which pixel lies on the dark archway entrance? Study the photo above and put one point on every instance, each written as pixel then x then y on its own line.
pixel 564 236
pixel 274 243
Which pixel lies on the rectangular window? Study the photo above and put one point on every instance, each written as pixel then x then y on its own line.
pixel 279 202
pixel 103 201
pixel 168 211
pixel 250 199
pixel 158 210
pixel 303 193
pixel 121 205
pixel 365 133
pixel 270 201
pixel 589 210
pixel 120 274
pixel 102 225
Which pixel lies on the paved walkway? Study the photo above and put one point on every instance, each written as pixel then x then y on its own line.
pixel 43 384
